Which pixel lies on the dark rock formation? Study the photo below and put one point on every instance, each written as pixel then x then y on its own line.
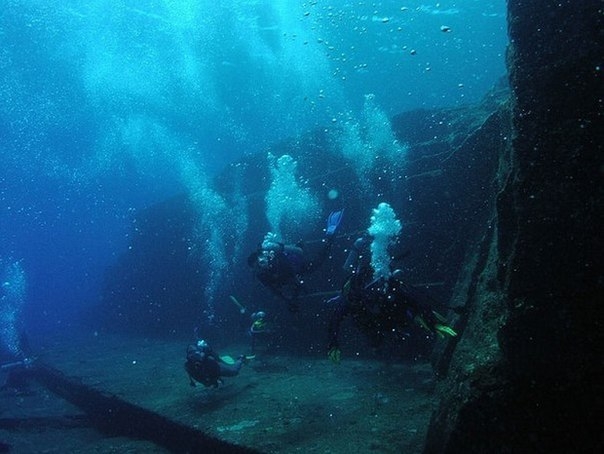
pixel 527 374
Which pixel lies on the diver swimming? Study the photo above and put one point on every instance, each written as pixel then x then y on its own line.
pixel 281 267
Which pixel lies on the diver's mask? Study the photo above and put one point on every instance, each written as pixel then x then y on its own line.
pixel 202 344
pixel 265 258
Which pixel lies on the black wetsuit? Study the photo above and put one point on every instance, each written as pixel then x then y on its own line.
pixel 378 307
pixel 206 367
pixel 285 270
pixel 283 274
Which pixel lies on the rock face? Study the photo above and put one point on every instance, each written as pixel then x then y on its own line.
pixel 527 373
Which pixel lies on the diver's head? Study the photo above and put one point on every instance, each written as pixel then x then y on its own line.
pixel 202 344
pixel 265 257
pixel 258 315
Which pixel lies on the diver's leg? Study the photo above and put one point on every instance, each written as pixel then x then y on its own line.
pixel 230 370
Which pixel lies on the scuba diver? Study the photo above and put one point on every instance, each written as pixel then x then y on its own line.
pixel 258 328
pixel 206 367
pixel 378 306
pixel 281 267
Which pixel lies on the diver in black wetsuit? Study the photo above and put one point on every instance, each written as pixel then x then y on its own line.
pixel 206 367
pixel 378 307
pixel 258 328
pixel 281 267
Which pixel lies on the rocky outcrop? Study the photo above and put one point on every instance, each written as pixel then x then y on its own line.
pixel 526 376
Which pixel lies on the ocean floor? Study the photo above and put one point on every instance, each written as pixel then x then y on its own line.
pixel 277 403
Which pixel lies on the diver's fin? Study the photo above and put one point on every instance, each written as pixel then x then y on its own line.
pixel 333 221
pixel 441 330
pixel 227 359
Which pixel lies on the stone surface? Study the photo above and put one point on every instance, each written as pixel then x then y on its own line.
pixel 526 376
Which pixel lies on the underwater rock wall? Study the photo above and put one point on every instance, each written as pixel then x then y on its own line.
pixel 526 375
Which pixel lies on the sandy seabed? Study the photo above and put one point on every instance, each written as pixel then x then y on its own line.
pixel 277 403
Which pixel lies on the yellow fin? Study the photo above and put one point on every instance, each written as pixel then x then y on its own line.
pixel 444 329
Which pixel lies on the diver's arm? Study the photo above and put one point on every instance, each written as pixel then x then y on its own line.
pixel 275 246
pixel 291 249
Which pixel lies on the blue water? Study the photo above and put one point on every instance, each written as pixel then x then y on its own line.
pixel 110 105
